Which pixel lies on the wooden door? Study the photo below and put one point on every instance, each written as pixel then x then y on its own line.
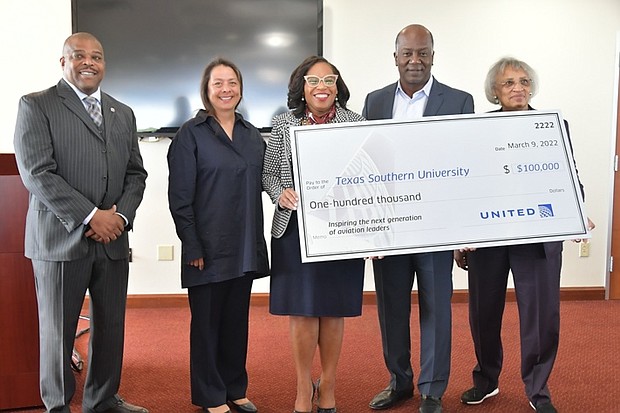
pixel 19 330
pixel 614 276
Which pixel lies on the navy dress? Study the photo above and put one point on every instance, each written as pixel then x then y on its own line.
pixel 314 289
pixel 319 289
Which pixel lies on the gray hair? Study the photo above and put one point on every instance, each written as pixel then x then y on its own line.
pixel 499 67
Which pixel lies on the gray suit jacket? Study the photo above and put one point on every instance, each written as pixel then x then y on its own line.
pixel 442 100
pixel 70 167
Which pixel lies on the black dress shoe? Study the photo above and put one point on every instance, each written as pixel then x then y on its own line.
pixel 322 410
pixel 247 407
pixel 544 407
pixel 389 397
pixel 123 407
pixel 430 404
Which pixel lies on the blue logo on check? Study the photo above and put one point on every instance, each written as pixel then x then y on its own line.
pixel 545 210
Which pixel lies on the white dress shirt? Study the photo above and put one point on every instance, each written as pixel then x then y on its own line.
pixel 406 107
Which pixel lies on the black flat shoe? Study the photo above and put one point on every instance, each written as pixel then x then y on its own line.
pixel 247 407
pixel 206 409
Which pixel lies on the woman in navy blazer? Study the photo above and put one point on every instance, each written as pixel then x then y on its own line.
pixel 215 163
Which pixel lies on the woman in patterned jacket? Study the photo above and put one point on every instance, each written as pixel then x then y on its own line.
pixel 316 296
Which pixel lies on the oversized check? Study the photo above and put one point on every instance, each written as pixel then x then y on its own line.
pixel 438 183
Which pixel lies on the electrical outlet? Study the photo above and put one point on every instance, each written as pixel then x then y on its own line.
pixel 584 249
pixel 165 252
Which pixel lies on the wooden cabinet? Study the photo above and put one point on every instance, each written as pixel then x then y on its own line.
pixel 19 330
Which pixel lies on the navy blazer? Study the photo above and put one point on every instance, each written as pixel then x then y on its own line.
pixel 442 100
pixel 215 197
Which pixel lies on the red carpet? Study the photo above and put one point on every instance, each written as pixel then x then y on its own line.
pixel 586 377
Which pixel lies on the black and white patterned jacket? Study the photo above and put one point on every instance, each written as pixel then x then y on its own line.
pixel 278 164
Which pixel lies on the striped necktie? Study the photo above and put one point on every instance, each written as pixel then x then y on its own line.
pixel 93 110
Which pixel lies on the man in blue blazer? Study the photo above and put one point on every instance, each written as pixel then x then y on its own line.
pixel 81 163
pixel 416 94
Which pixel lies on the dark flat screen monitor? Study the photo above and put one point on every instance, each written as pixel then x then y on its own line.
pixel 156 51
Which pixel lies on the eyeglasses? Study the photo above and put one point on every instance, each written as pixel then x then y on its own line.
pixel 328 80
pixel 510 84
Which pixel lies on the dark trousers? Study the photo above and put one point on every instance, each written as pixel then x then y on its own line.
pixel 60 288
pixel 536 274
pixel 219 341
pixel 394 277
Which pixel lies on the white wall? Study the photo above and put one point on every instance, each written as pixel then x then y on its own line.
pixel 571 43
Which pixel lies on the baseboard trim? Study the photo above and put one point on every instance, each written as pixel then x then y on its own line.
pixel 459 296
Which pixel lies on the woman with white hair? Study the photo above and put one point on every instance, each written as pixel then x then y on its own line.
pixel 512 83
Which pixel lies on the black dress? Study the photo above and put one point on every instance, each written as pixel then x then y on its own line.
pixel 317 289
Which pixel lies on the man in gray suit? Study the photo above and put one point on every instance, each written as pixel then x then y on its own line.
pixel 416 94
pixel 82 166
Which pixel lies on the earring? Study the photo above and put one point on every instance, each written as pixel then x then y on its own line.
pixel 496 100
pixel 530 93
pixel 336 98
pixel 303 99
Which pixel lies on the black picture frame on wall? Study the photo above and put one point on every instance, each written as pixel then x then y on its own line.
pixel 156 51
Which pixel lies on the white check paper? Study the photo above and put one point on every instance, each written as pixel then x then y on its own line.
pixel 438 183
